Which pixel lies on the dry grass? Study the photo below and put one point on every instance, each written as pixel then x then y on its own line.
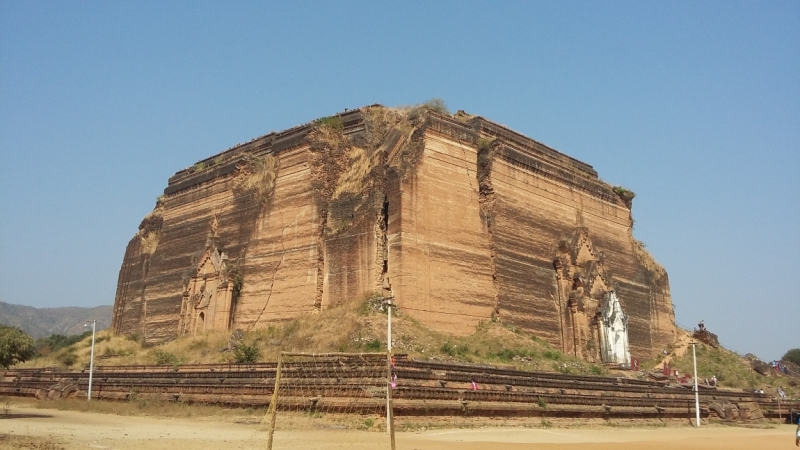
pixel 731 370
pixel 116 349
pixel 149 243
pixel 355 177
pixel 416 113
pixel 491 343
pixel 149 228
pixel 360 179
pixel 356 326
pixel 17 442
pixel 360 326
pixel 258 176
pixel 142 405
pixel 378 120
pixel 647 259
pixel 328 158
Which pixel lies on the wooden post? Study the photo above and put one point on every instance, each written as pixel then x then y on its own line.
pixel 389 408
pixel 273 404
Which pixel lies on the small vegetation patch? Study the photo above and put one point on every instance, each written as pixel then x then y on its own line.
pixel 373 345
pixel 513 354
pixel 150 227
pixel 164 357
pixel 416 113
pixel 244 354
pixel 647 260
pixel 332 122
pixel 623 192
pixel 67 358
pixel 455 350
pixel 485 143
pixel 257 176
pixel 235 277
pixel 552 354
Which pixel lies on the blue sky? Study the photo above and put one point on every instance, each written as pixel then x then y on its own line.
pixel 695 106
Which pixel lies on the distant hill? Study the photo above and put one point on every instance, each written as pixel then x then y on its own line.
pixel 41 322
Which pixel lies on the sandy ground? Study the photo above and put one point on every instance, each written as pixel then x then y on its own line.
pixel 24 427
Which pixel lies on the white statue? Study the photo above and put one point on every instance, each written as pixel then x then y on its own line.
pixel 614 332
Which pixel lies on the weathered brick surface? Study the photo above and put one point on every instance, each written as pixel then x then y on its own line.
pixel 461 220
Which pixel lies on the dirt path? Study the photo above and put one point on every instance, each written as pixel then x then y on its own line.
pixel 25 427
pixel 679 348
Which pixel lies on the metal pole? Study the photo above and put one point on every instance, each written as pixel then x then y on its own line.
pixel 91 362
pixel 389 412
pixel 696 392
pixel 389 333
pixel 389 387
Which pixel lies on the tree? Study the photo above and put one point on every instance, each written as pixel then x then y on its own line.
pixel 56 342
pixel 792 355
pixel 15 346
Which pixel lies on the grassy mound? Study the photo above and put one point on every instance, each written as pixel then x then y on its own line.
pixel 354 327
pixel 360 326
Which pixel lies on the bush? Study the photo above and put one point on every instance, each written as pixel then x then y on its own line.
pixel 373 345
pixel 484 143
pixel 436 105
pixel 552 354
pixel 332 122
pixel 164 357
pixel 245 354
pixel 448 349
pixel 454 350
pixel 67 358
pixel 506 354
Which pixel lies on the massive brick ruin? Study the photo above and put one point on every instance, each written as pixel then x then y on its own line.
pixel 460 219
